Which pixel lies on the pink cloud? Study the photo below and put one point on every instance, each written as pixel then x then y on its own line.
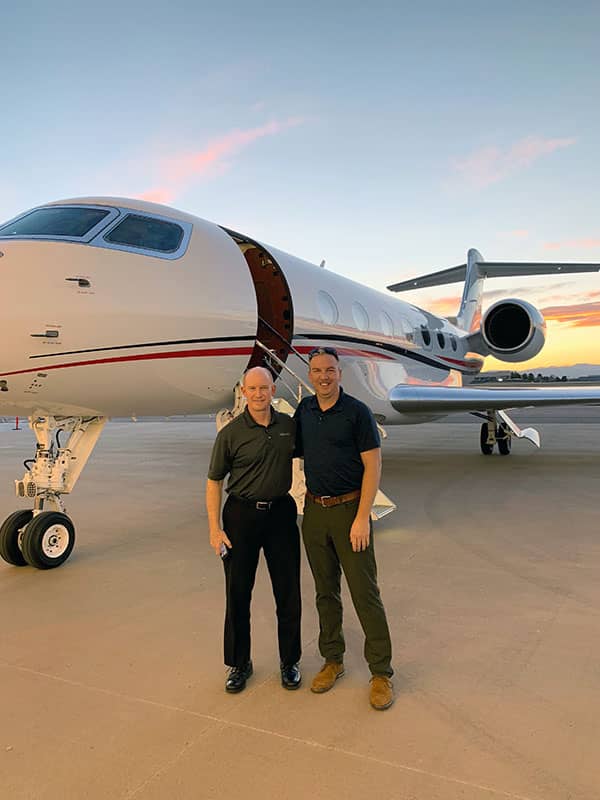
pixel 158 195
pixel 183 167
pixel 572 243
pixel 213 160
pixel 492 164
pixel 576 315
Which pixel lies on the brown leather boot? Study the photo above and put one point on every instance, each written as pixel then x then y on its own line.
pixel 381 693
pixel 327 676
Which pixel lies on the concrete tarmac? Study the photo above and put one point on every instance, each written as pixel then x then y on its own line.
pixel 111 666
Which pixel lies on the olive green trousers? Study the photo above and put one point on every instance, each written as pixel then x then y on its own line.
pixel 326 534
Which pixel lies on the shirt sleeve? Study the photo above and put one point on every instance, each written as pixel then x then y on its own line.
pixel 299 448
pixel 366 434
pixel 221 459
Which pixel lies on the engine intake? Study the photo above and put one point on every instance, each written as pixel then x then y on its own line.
pixel 513 330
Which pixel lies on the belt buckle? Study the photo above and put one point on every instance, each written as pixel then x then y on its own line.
pixel 263 505
pixel 323 498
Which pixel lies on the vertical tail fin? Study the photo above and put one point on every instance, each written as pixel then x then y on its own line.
pixel 469 313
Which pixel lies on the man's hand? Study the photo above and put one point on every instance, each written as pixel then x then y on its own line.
pixel 359 534
pixel 218 537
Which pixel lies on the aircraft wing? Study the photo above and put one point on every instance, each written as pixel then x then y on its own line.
pixel 450 400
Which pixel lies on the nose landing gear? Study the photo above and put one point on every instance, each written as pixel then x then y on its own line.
pixel 45 538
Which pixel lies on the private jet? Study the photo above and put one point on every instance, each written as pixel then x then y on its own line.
pixel 116 307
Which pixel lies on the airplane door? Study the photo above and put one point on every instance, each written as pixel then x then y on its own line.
pixel 274 301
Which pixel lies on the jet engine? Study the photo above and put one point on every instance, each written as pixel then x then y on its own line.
pixel 513 330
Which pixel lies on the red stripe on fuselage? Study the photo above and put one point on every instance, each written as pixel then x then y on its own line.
pixel 475 364
pixel 221 351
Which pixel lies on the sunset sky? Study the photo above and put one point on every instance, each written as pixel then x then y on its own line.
pixel 386 138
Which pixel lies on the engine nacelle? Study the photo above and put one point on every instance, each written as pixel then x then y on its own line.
pixel 513 330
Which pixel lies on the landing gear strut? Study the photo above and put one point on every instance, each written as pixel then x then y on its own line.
pixel 44 537
pixel 504 439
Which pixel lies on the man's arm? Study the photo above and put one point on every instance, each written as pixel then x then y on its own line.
pixel 359 532
pixel 213 507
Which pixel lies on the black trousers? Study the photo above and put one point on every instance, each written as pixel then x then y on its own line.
pixel 276 532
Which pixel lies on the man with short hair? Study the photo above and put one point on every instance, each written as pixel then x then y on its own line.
pixel 338 437
pixel 256 450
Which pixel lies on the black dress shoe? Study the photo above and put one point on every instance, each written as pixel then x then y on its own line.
pixel 291 677
pixel 236 680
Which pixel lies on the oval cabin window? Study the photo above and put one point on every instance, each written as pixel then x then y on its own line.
pixel 360 316
pixel 328 310
pixel 387 324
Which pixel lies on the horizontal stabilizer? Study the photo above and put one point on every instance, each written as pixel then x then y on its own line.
pixel 492 269
pixel 450 400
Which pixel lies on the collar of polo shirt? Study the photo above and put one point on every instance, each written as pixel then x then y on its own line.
pixel 252 423
pixel 335 407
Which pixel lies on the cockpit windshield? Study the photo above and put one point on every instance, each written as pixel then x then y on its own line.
pixel 146 233
pixel 55 221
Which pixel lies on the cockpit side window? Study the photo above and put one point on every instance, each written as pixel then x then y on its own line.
pixel 55 221
pixel 146 233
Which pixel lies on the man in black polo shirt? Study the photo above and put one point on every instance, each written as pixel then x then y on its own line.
pixel 338 437
pixel 256 450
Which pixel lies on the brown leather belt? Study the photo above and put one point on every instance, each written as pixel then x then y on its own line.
pixel 327 500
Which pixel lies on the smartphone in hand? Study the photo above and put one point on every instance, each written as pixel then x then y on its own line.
pixel 223 551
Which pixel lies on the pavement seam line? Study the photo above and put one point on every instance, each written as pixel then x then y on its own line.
pixel 167 765
pixel 255 729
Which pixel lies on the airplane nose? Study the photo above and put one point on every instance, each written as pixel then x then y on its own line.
pixel 93 308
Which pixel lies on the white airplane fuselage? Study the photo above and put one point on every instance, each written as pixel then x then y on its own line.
pixel 96 330
pixel 116 307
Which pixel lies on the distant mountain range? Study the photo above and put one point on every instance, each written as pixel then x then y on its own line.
pixel 575 371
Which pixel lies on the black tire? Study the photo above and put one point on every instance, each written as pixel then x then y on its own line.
pixel 9 537
pixel 504 440
pixel 486 449
pixel 48 540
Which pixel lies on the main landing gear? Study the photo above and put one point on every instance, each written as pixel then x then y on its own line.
pixel 499 429
pixel 492 434
pixel 44 536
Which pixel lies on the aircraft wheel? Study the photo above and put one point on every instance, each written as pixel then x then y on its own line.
pixel 486 449
pixel 504 440
pixel 11 532
pixel 48 540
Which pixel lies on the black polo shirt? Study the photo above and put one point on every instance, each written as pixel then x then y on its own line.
pixel 331 442
pixel 258 459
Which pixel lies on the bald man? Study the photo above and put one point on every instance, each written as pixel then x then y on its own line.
pixel 255 450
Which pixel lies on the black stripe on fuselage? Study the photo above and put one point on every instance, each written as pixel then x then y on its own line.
pixel 333 337
pixel 391 348
pixel 147 344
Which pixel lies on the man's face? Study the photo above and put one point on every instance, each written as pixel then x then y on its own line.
pixel 258 389
pixel 325 375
